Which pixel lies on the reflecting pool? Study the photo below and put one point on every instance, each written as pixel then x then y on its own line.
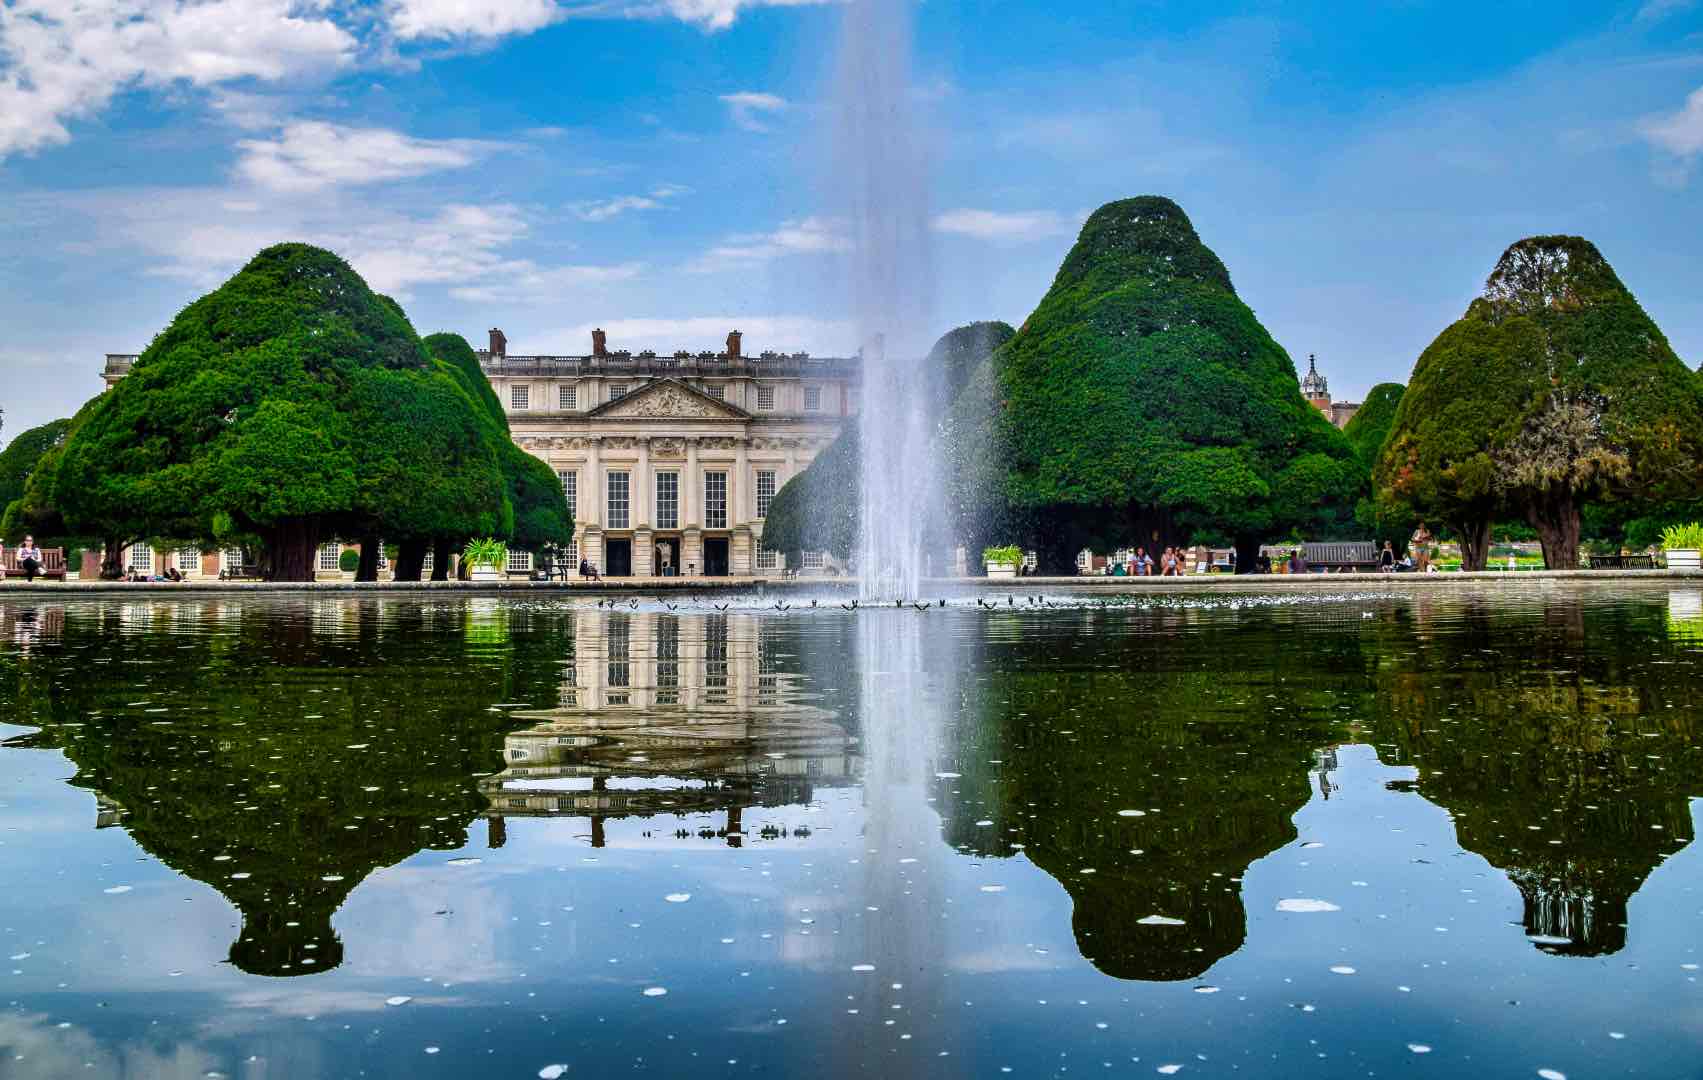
pixel 1435 833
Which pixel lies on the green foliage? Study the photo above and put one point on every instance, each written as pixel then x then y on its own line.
pixel 1368 428
pixel 1555 390
pixel 1008 555
pixel 23 454
pixel 1143 394
pixel 1683 536
pixel 349 560
pixel 488 551
pixel 293 404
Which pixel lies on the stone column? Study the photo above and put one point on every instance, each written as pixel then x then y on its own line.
pixel 738 488
pixel 691 498
pixel 591 500
pixel 644 497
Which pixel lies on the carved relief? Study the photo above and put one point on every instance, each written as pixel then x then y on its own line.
pixel 667 402
pixel 668 448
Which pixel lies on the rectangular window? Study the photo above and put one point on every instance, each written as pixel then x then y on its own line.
pixel 520 562
pixel 617 503
pixel 668 500
pixel 620 653
pixel 139 557
pixel 328 556
pixel 567 398
pixel 765 491
pixel 570 489
pixel 768 560
pixel 715 500
pixel 813 560
pixel 812 399
pixel 189 558
pixel 717 391
pixel 617 391
pixel 431 560
pixel 231 559
pixel 571 554
pixel 520 397
pixel 765 398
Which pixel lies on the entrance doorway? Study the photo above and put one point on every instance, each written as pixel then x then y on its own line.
pixel 715 558
pixel 619 555
pixel 666 554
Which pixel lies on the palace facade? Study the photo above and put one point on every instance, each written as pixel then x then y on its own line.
pixel 667 462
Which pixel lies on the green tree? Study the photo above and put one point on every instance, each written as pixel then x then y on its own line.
pixel 292 404
pixel 24 453
pixel 818 510
pixel 1143 402
pixel 1554 391
pixel 1366 432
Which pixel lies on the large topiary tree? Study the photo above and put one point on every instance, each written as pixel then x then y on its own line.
pixel 818 510
pixel 1555 390
pixel 292 404
pixel 1366 432
pixel 1142 402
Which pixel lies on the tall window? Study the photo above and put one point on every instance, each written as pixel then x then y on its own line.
pixel 618 493
pixel 431 560
pixel 765 398
pixel 570 489
pixel 812 399
pixel 617 391
pixel 328 556
pixel 567 398
pixel 717 391
pixel 668 500
pixel 139 557
pixel 231 559
pixel 768 560
pixel 520 397
pixel 715 500
pixel 189 558
pixel 765 491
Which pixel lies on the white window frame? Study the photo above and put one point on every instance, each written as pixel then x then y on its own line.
pixel 618 511
pixel 768 560
pixel 231 559
pixel 431 561
pixel 519 562
pixel 570 489
pixel 139 557
pixel 716 390
pixel 618 390
pixel 330 557
pixel 765 477
pixel 567 398
pixel 715 500
pixel 765 398
pixel 813 560
pixel 812 399
pixel 572 556
pixel 520 398
pixel 188 559
pixel 668 499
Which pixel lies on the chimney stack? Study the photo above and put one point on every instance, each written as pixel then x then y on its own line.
pixel 599 343
pixel 499 344
pixel 733 340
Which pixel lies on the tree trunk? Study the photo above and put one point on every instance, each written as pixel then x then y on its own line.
pixel 1247 554
pixel 1055 553
pixel 112 560
pixel 1475 543
pixel 367 568
pixel 411 559
pixel 443 550
pixel 290 548
pixel 1556 519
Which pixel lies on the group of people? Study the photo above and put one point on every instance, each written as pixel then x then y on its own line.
pixel 1141 564
pixel 29 557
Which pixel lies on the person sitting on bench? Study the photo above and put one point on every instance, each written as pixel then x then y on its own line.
pixel 586 570
pixel 29 558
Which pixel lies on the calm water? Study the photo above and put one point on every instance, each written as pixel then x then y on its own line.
pixel 1447 835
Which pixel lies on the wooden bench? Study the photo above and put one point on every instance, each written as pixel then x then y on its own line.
pixel 52 564
pixel 1357 556
pixel 1623 562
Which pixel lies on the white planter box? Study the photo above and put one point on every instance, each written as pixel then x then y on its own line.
pixel 1002 570
pixel 485 573
pixel 1683 559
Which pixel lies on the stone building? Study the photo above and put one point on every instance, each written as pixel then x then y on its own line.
pixel 1317 391
pixel 669 462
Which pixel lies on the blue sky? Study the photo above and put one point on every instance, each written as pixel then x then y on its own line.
pixel 658 167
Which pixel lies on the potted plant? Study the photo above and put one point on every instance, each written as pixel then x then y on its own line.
pixel 1002 562
pixel 349 562
pixel 1683 543
pixel 486 559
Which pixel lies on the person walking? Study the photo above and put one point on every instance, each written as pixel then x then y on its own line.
pixel 29 558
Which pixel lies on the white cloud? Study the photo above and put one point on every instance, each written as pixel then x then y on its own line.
pixel 309 155
pixel 1654 10
pixel 806 236
pixel 710 14
pixel 61 60
pixel 749 108
pixel 605 209
pixel 996 225
pixel 1679 133
pixel 781 333
pixel 468 19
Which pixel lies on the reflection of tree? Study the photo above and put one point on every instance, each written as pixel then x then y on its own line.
pixel 1569 769
pixel 300 746
pixel 1216 767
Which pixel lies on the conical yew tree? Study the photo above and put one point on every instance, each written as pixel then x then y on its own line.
pixel 1555 390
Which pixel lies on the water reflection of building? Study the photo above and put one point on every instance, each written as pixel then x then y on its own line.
pixel 672 714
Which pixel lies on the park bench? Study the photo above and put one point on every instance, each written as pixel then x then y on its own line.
pixel 1357 556
pixel 52 564
pixel 1623 562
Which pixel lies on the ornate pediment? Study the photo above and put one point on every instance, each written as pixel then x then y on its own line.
pixel 668 399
